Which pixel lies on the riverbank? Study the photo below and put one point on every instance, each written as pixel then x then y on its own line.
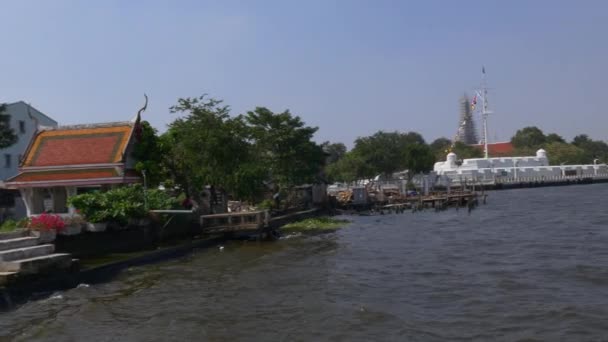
pixel 101 256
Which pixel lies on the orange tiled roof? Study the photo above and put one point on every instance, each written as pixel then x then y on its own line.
pixel 500 149
pixel 78 145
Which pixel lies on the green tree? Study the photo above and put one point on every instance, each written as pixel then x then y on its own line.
pixel 418 157
pixel 388 152
pixel 334 151
pixel 442 146
pixel 208 147
pixel 7 135
pixel 563 153
pixel 593 149
pixel 464 151
pixel 148 155
pixel 383 152
pixel 348 169
pixel 528 137
pixel 283 144
pixel 553 137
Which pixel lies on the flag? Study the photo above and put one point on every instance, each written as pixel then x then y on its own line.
pixel 474 102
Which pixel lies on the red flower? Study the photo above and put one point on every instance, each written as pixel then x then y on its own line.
pixel 47 222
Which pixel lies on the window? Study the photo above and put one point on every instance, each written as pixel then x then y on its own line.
pixel 21 126
pixel 7 161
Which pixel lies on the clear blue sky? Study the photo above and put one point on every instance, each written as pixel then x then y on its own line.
pixel 350 67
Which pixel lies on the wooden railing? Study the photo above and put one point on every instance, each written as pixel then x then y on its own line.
pixel 239 221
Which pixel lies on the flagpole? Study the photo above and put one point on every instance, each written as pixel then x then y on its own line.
pixel 484 112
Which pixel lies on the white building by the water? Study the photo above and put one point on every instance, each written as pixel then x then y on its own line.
pixel 529 168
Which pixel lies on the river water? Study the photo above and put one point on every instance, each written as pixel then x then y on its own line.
pixel 532 264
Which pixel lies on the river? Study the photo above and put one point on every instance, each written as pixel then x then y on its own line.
pixel 532 264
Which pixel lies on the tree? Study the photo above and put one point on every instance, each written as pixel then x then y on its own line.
pixel 442 146
pixel 387 152
pixel 148 155
pixel 528 137
pixel 7 135
pixel 283 144
pixel 334 151
pixel 593 149
pixel 418 158
pixel 464 151
pixel 563 153
pixel 348 169
pixel 553 137
pixel 208 147
pixel 383 152
pixel 581 140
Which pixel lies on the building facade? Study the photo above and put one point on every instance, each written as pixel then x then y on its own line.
pixel 24 121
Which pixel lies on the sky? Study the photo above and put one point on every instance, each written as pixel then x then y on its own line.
pixel 349 67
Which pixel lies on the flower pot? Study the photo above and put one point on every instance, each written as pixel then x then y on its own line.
pixel 45 236
pixel 96 227
pixel 71 230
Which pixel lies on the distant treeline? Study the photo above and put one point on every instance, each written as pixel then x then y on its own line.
pixel 260 152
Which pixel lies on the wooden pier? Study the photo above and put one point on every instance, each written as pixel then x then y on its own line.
pixel 250 222
pixel 437 201
pixel 235 222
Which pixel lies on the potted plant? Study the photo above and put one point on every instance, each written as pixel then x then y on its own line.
pixel 73 225
pixel 97 221
pixel 45 227
pixel 93 208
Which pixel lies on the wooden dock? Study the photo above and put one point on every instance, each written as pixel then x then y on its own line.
pixel 251 222
pixel 437 201
pixel 235 222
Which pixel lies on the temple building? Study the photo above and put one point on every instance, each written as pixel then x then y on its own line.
pixel 466 127
pixel 67 160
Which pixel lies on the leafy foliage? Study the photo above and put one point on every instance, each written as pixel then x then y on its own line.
pixel 582 150
pixel 334 151
pixel 121 204
pixel 383 153
pixel 11 225
pixel 563 153
pixel 315 224
pixel 284 145
pixel 528 137
pixel 593 149
pixel 208 147
pixel 148 154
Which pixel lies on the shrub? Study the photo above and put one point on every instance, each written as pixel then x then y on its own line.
pixel 8 226
pixel 121 204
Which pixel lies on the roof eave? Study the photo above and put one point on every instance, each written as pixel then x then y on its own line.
pixel 72 182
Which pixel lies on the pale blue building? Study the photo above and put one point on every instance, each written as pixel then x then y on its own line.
pixel 24 121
